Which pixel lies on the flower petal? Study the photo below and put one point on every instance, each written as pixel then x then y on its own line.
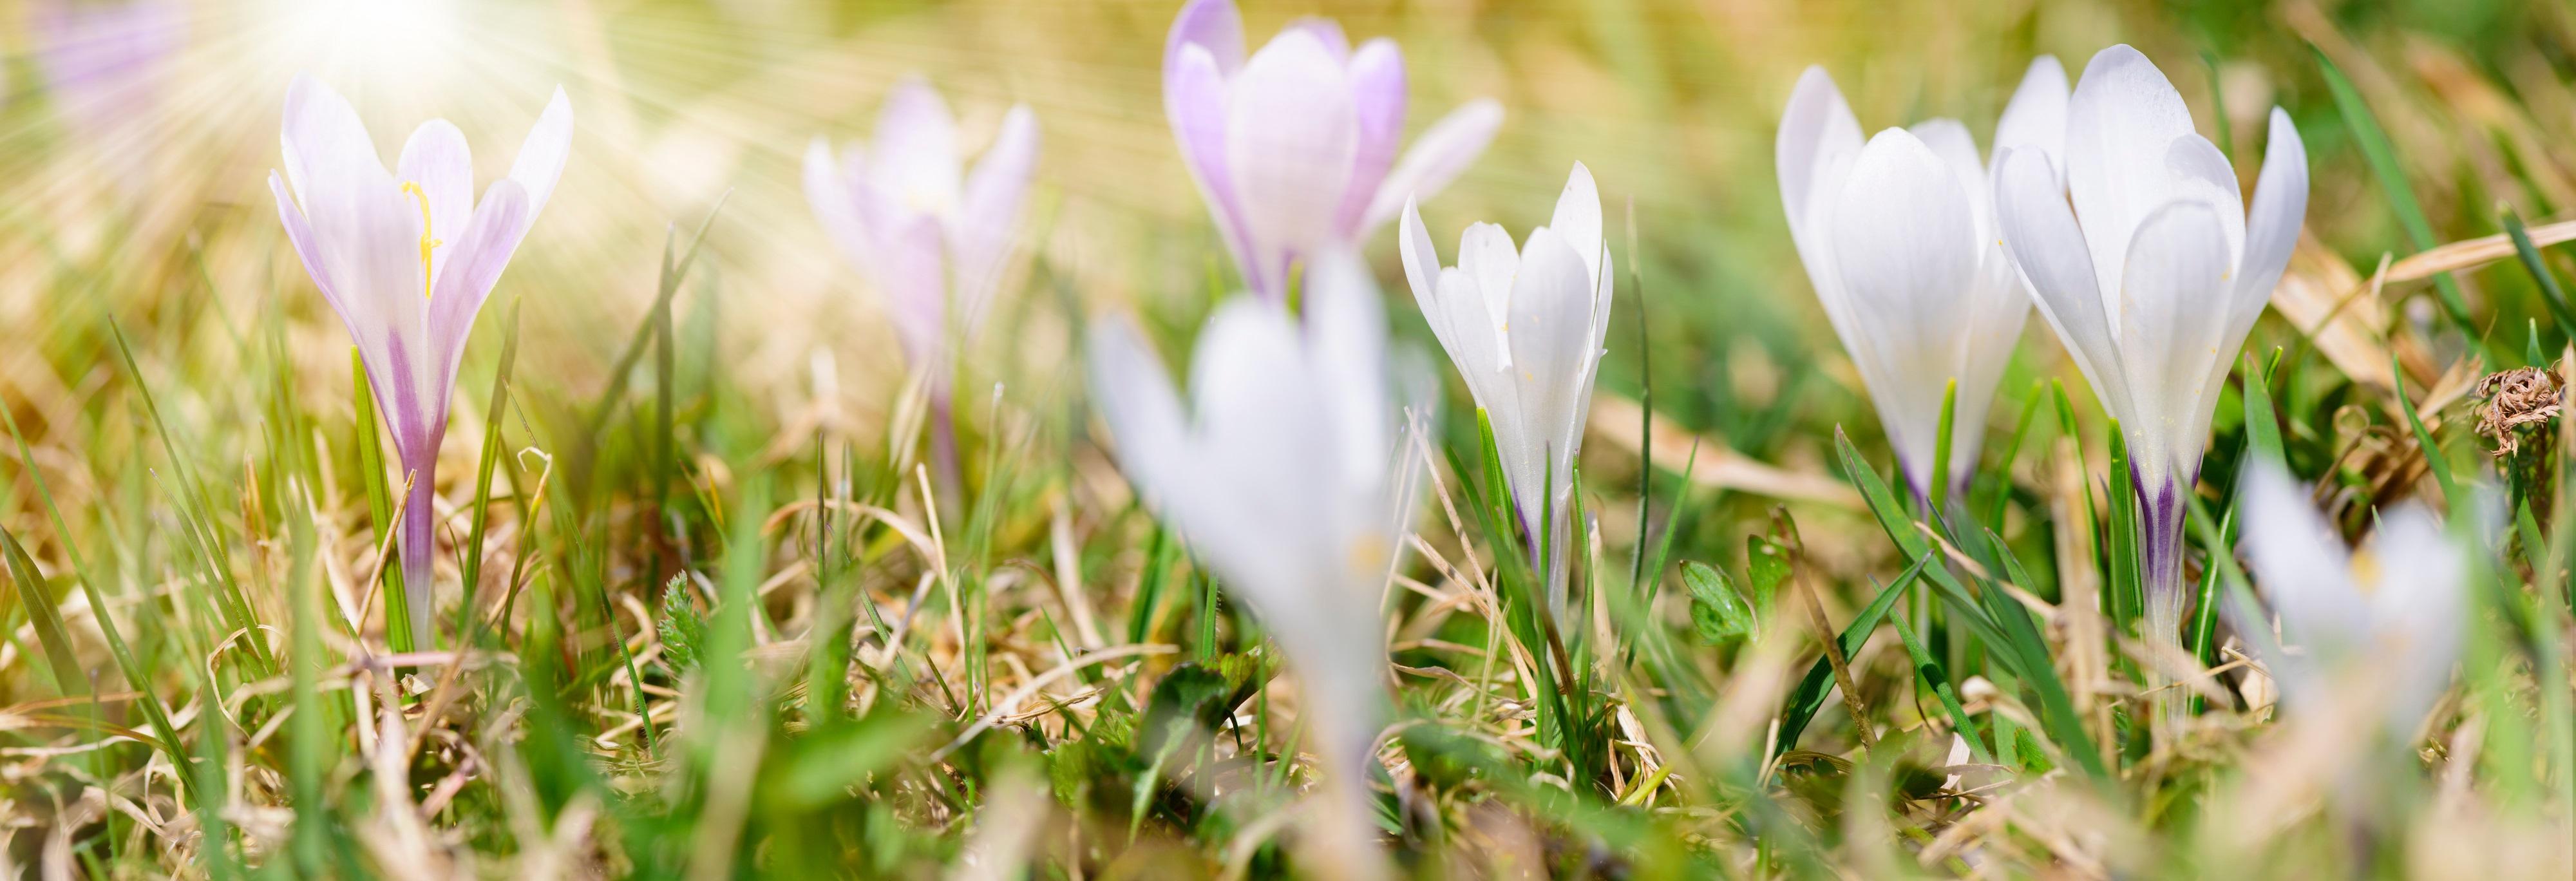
pixel 2120 125
pixel 1486 254
pixel 1950 140
pixel 1438 156
pixel 1346 324
pixel 437 159
pixel 827 192
pixel 2272 225
pixel 2299 561
pixel 2173 333
pixel 2049 249
pixel 988 222
pixel 1215 27
pixel 911 276
pixel 476 259
pixel 1291 137
pixel 1578 220
pixel 2036 116
pixel 1377 92
pixel 1194 101
pixel 1326 31
pixel 2418 613
pixel 914 159
pixel 542 155
pixel 1552 348
pixel 1816 126
pixel 308 247
pixel 1905 248
pixel 322 138
pixel 1143 412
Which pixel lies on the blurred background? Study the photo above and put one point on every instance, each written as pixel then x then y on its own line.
pixel 136 137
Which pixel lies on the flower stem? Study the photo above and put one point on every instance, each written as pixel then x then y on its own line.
pixel 2160 524
pixel 418 544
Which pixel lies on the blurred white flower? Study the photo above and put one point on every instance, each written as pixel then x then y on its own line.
pixel 2391 613
pixel 1281 476
pixel 407 258
pixel 1295 148
pixel 2145 259
pixel 1525 328
pixel 932 238
pixel 1898 237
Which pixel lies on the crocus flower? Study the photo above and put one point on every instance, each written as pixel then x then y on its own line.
pixel 1898 237
pixel 407 257
pixel 2145 259
pixel 1295 149
pixel 1525 328
pixel 2391 613
pixel 1279 476
pixel 929 236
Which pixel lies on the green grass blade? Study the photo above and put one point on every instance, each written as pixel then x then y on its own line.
pixel 2382 157
pixel 2434 461
pixel 471 565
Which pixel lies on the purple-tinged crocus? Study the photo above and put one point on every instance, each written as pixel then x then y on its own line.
pixel 931 237
pixel 1525 328
pixel 407 257
pixel 1294 149
pixel 1285 476
pixel 106 67
pixel 1898 239
pixel 2151 267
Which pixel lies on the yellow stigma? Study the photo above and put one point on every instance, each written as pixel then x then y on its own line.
pixel 2365 572
pixel 426 243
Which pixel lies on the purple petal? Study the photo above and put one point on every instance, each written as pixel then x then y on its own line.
pixel 1195 98
pixel 322 137
pixel 1377 93
pixel 1212 25
pixel 914 157
pixel 1438 157
pixel 475 264
pixel 915 285
pixel 541 157
pixel 987 223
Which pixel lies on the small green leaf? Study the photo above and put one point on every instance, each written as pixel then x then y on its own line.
pixel 1717 611
pixel 1766 567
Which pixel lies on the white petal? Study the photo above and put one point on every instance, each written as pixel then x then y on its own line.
pixel 1291 135
pixel 1552 348
pixel 2174 320
pixel 2049 249
pixel 2121 124
pixel 828 194
pixel 1439 155
pixel 914 159
pixel 1578 219
pixel 2272 225
pixel 1949 139
pixel 2418 612
pixel 2299 562
pixel 438 160
pixel 1346 324
pixel 1486 254
pixel 1905 245
pixel 322 138
pixel 1143 412
pixel 1816 126
pixel 2036 117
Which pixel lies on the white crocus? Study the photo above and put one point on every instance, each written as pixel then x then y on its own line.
pixel 1525 328
pixel 1898 237
pixel 2144 258
pixel 1282 476
pixel 2390 613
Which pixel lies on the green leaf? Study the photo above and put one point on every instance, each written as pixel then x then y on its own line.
pixel 2433 458
pixel 1766 567
pixel 1717 611
pixel 1809 696
pixel 2382 157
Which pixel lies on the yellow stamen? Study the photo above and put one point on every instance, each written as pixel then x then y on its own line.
pixel 426 243
pixel 2365 572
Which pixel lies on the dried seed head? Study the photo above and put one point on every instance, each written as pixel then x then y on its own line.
pixel 2516 398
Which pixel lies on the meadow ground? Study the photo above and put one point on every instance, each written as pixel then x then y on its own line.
pixel 715 593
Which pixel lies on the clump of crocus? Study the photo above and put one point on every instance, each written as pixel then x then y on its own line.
pixel 1295 148
pixel 1898 237
pixel 407 258
pixel 932 238
pixel 1280 474
pixel 2147 261
pixel 1525 328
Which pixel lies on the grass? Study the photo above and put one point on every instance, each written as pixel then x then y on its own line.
pixel 706 611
